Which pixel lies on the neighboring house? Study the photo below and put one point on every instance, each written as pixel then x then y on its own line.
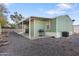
pixel 76 28
pixel 35 27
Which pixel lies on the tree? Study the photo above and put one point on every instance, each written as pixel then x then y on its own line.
pixel 2 21
pixel 13 26
pixel 3 9
pixel 16 18
pixel 3 18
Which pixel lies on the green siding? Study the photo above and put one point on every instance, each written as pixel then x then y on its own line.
pixel 32 28
pixel 41 24
pixel 38 24
pixel 53 25
pixel 58 24
pixel 63 23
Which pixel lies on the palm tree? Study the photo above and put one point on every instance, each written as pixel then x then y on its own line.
pixel 16 18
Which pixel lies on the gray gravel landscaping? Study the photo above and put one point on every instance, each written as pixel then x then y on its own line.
pixel 20 46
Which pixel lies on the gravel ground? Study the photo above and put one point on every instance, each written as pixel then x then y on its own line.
pixel 20 46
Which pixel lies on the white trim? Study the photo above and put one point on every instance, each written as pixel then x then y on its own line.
pixel 58 34
pixel 50 34
pixel 29 28
pixel 34 29
pixel 22 27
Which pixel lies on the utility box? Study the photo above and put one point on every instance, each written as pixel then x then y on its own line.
pixel 65 34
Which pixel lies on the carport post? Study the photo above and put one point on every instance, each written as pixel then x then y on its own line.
pixel 29 27
pixel 22 26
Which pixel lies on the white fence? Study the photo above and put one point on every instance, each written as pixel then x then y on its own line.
pixel 76 29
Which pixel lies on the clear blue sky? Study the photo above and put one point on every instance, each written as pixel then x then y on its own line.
pixel 45 10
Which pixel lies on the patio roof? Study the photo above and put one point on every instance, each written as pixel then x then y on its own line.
pixel 43 18
pixel 40 17
pixel 33 17
pixel 27 19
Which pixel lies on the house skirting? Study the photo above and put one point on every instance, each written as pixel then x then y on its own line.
pixel 47 35
pixel 56 34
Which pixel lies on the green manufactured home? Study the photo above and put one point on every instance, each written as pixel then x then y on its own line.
pixel 35 27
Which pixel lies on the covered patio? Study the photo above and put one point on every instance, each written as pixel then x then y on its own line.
pixel 25 27
pixel 30 27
